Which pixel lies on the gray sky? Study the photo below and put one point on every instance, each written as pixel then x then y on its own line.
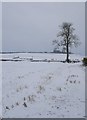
pixel 0 26
pixel 33 26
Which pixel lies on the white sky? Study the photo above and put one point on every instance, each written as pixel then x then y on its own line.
pixel 43 0
pixel 33 26
pixel 0 26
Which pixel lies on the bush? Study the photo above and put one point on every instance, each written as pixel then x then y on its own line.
pixel 84 61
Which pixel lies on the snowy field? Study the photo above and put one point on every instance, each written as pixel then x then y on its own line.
pixel 42 89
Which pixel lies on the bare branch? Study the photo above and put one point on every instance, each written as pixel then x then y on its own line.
pixel 67 38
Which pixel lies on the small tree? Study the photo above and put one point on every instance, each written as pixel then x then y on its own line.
pixel 68 38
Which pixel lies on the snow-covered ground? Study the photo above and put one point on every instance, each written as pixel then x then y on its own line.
pixel 0 89
pixel 42 89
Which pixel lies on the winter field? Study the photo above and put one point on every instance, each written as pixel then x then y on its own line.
pixel 36 85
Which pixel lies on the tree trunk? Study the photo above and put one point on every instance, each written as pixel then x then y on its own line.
pixel 67 50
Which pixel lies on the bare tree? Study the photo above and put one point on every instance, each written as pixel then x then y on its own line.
pixel 67 38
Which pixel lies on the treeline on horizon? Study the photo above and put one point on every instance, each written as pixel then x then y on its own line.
pixel 57 52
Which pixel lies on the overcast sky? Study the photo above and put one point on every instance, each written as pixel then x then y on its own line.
pixel 33 26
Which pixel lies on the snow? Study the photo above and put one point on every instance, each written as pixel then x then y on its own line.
pixel 0 89
pixel 39 56
pixel 42 89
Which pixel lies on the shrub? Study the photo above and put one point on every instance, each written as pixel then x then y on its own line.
pixel 84 61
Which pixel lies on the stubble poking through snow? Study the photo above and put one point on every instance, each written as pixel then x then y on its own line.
pixel 42 89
